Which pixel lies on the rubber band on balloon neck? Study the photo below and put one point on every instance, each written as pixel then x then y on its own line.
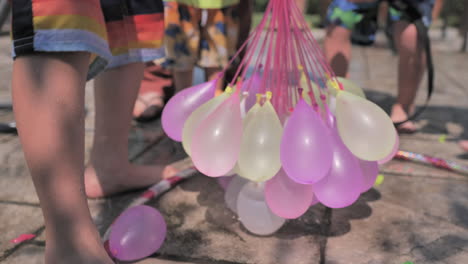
pixel 300 91
pixel 259 98
pixel 334 83
pixel 229 90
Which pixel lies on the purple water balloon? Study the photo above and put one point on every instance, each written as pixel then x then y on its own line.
pixel 224 181
pixel 305 146
pixel 344 182
pixel 314 201
pixel 287 198
pixel 179 108
pixel 137 233
pixel 370 170
pixel 394 151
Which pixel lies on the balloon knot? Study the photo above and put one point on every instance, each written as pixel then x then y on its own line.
pixel 301 93
pixel 340 86
pixel 229 90
pixel 259 98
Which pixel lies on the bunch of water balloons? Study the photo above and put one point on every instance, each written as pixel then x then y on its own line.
pixel 293 133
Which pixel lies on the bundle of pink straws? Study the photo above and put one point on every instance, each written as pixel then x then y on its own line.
pixel 290 129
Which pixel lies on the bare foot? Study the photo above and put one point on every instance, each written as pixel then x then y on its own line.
pixel 463 144
pixel 102 181
pixel 77 257
pixel 80 246
pixel 148 106
pixel 399 114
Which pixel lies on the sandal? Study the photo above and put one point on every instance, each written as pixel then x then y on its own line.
pixel 8 128
pixel 155 89
pixel 407 127
pixel 148 107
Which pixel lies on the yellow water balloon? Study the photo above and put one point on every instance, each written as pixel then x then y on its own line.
pixel 364 127
pixel 307 93
pixel 252 112
pixel 348 86
pixel 198 116
pixel 259 158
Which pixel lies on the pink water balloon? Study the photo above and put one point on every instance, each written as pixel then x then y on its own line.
pixel 254 213
pixel 252 86
pixel 394 152
pixel 314 201
pixel 287 198
pixel 370 170
pixel 137 233
pixel 305 146
pixel 179 108
pixel 343 184
pixel 232 192
pixel 216 141
pixel 224 181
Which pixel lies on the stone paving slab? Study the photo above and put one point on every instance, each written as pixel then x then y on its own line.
pixel 395 234
pixel 418 214
pixel 200 226
pixel 16 220
pixel 28 254
pixel 15 182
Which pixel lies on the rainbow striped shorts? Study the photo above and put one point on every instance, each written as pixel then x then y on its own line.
pixel 115 32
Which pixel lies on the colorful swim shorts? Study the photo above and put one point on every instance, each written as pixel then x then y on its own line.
pixel 203 37
pixel 349 15
pixel 115 32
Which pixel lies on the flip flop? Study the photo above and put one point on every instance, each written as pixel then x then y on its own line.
pixel 8 128
pixel 155 89
pixel 407 127
pixel 6 106
pixel 153 105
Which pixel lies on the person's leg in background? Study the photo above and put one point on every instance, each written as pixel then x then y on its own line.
pixel 109 170
pixel 244 25
pixel 182 41
pixel 155 89
pixel 219 42
pixel 411 64
pixel 337 44
pixel 337 48
pixel 302 4
pixel 411 68
pixel 438 6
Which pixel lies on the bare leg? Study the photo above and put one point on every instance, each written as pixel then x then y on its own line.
pixel 183 79
pixel 109 171
pixel 410 72
pixel 338 49
pixel 463 144
pixel 302 4
pixel 48 92
pixel 213 73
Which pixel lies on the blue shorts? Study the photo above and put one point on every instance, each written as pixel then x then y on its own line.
pixel 351 15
